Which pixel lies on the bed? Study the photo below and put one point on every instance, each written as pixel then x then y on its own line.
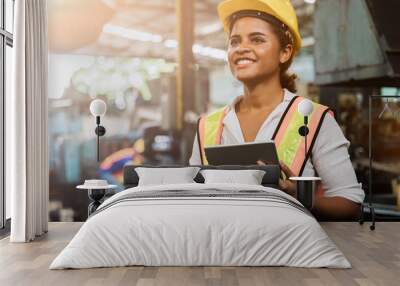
pixel 201 224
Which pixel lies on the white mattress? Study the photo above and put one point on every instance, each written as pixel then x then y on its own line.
pixel 202 231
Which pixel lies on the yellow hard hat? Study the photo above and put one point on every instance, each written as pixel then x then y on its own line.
pixel 280 9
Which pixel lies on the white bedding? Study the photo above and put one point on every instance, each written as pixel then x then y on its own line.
pixel 183 231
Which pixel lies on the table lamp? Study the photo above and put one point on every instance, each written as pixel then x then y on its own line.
pixel 306 186
pixel 98 108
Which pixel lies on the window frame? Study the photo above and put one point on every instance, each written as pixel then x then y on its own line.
pixel 6 39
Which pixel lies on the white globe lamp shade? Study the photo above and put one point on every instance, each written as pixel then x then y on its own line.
pixel 98 107
pixel 305 107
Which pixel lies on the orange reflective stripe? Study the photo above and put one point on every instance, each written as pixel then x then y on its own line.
pixel 289 144
pixel 201 136
pixel 211 124
pixel 218 138
pixel 286 121
pixel 300 156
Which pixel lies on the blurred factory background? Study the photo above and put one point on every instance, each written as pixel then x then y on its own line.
pixel 159 64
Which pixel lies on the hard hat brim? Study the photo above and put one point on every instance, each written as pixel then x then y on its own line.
pixel 230 7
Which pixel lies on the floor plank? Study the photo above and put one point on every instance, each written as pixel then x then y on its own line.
pixel 374 255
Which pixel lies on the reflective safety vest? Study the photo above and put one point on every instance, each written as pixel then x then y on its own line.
pixel 289 143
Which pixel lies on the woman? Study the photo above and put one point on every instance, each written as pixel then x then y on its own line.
pixel 263 39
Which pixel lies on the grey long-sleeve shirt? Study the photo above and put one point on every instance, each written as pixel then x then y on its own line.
pixel 330 157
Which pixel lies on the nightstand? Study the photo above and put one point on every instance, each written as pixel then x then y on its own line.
pixel 96 192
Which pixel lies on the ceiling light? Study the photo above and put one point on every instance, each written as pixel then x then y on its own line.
pixel 132 34
pixel 218 54
pixel 210 29
pixel 171 43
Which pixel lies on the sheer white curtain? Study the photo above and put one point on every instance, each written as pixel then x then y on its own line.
pixel 26 123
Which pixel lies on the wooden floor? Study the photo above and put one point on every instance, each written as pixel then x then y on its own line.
pixel 375 257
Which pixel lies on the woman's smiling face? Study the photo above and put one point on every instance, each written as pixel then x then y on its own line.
pixel 254 50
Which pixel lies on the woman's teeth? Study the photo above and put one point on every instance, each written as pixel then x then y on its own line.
pixel 244 62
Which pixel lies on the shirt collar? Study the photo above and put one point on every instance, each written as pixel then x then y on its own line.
pixel 287 97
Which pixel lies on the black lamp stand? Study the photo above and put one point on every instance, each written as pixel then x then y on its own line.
pixel 100 131
pixel 96 196
pixel 303 131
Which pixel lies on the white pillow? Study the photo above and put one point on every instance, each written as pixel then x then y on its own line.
pixel 166 176
pixel 248 177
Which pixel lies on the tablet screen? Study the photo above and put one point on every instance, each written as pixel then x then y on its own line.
pixel 242 154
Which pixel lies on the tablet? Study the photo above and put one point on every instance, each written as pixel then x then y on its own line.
pixel 242 154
